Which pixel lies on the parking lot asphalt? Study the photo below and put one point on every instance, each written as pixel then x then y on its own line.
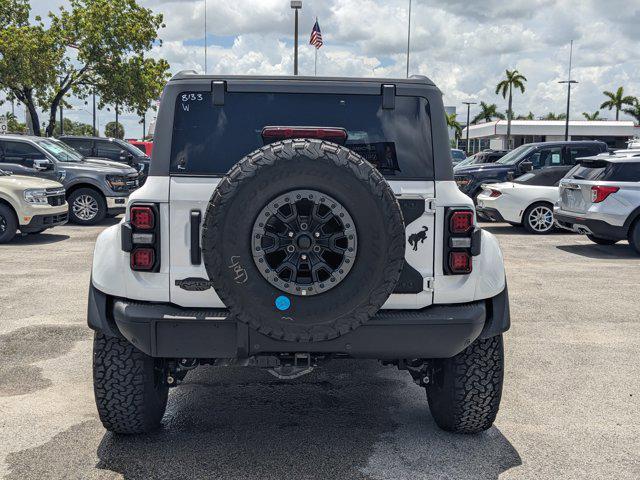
pixel 570 409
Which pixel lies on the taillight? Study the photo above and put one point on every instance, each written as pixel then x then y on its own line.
pixel 143 258
pixel 461 221
pixel 600 192
pixel 495 193
pixel 141 237
pixel 142 218
pixel 332 134
pixel 462 241
pixel 460 262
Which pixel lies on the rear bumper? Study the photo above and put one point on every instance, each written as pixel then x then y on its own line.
pixel 489 213
pixel 165 330
pixel 597 228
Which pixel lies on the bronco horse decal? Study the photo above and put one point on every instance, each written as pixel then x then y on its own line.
pixel 420 236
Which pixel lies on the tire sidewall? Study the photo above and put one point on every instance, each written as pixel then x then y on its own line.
pixel 242 287
pixel 100 200
pixel 527 214
pixel 12 224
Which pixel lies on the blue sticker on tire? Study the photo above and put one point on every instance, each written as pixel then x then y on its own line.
pixel 283 303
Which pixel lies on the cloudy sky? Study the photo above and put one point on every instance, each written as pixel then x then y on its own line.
pixel 463 45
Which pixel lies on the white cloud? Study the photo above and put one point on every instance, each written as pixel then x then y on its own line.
pixel 463 45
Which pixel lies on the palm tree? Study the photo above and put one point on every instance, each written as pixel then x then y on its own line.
pixel 616 100
pixel 554 116
pixel 513 79
pixel 453 123
pixel 592 116
pixel 487 113
pixel 634 110
pixel 530 116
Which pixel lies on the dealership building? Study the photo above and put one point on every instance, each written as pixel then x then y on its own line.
pixel 494 134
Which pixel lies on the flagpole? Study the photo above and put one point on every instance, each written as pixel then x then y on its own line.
pixel 315 65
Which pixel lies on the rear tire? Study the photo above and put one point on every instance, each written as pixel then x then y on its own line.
pixel 602 241
pixel 634 236
pixel 8 224
pixel 538 218
pixel 87 206
pixel 129 387
pixel 464 393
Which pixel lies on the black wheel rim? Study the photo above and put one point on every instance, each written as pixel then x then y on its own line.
pixel 3 224
pixel 304 242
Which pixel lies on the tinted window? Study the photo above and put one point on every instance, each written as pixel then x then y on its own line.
pixel 209 139
pixel 17 152
pixel 578 152
pixel 546 177
pixel 106 149
pixel 546 157
pixel 129 148
pixel 607 171
pixel 515 155
pixel 84 147
pixel 458 154
pixel 60 150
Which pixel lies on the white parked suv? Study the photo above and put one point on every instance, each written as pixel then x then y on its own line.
pixel 601 199
pixel 287 221
pixel 527 201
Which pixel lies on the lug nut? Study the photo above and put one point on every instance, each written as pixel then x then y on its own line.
pixel 317 234
pixel 290 234
pixel 304 257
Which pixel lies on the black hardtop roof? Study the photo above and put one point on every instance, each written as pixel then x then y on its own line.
pixel 192 75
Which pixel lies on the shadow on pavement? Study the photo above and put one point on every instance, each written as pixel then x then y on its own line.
pixel 345 421
pixel 39 239
pixel 620 251
pixel 506 229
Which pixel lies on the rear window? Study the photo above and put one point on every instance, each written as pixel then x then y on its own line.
pixel 209 139
pixel 607 171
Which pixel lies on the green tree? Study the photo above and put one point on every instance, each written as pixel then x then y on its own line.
pixel 73 128
pixel 453 123
pixel 592 116
pixel 616 100
pixel 529 116
pixel 14 12
pixel 13 125
pixel 487 113
pixel 554 116
pixel 634 110
pixel 114 130
pixel 513 79
pixel 107 39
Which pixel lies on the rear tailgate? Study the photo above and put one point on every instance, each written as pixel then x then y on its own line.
pixel 575 195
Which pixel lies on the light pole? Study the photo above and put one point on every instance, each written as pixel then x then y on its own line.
pixel 568 82
pixel 468 104
pixel 205 37
pixel 61 111
pixel 408 38
pixel 295 5
pixel 94 112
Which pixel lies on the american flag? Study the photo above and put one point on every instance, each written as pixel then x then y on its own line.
pixel 316 36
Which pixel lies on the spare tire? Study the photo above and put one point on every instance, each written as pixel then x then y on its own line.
pixel 303 240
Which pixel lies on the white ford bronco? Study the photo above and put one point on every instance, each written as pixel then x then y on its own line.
pixel 287 221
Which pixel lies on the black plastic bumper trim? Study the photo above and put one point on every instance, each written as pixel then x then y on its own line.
pixel 169 331
pixel 599 228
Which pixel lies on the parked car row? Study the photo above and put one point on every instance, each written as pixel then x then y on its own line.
pixel 571 185
pixel 46 181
